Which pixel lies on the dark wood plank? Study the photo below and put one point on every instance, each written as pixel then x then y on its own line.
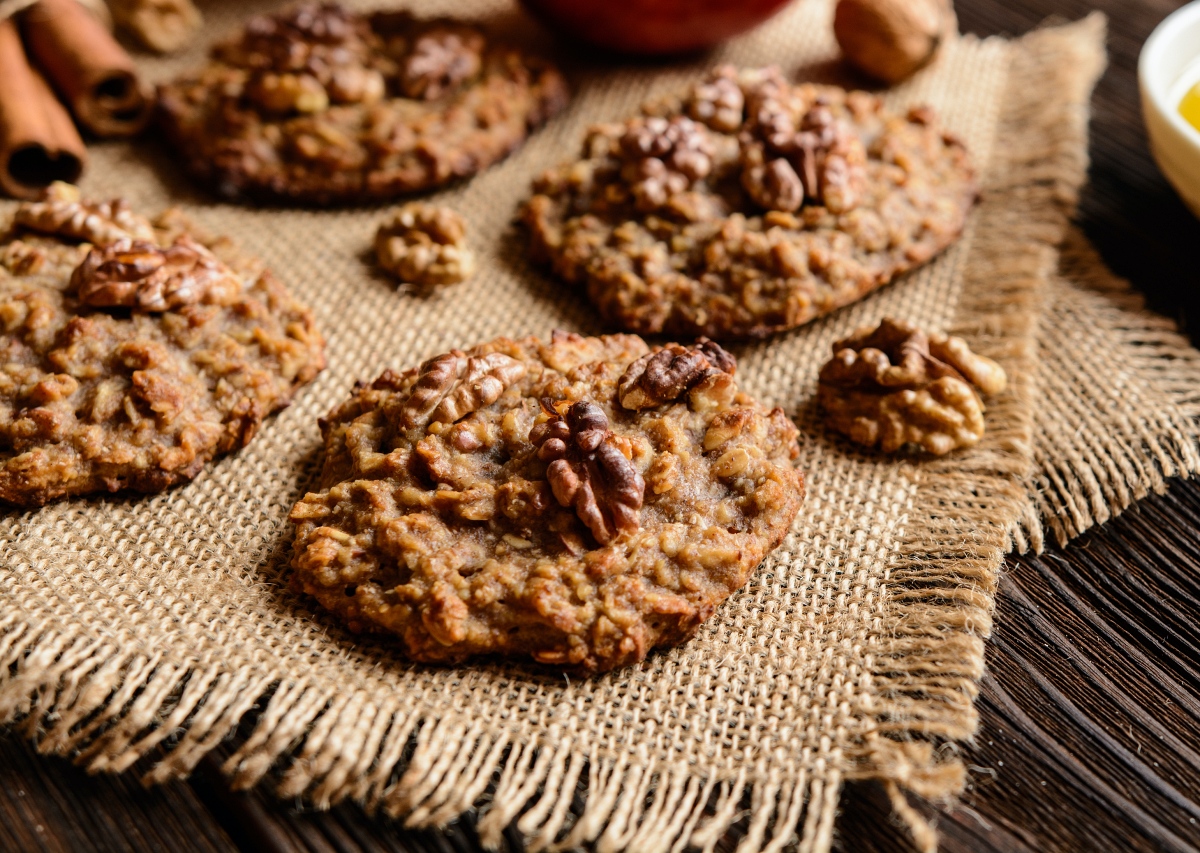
pixel 46 804
pixel 1090 736
pixel 1128 210
pixel 1090 712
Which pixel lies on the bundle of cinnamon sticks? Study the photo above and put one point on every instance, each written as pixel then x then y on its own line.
pixel 57 55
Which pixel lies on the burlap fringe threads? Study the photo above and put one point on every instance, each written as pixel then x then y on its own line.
pixel 942 590
pixel 76 696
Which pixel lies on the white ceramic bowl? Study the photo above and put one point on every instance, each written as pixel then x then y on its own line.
pixel 1171 50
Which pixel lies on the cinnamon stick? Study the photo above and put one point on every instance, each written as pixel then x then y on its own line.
pixel 94 74
pixel 38 142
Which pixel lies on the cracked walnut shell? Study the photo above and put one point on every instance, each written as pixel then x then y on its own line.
pixel 425 245
pixel 894 385
pixel 545 520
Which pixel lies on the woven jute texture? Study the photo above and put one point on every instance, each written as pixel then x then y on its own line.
pixel 1120 392
pixel 137 627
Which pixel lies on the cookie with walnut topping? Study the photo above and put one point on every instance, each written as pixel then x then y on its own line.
pixel 320 105
pixel 580 501
pixel 131 352
pixel 749 206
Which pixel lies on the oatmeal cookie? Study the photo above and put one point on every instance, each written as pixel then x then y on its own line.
pixel 579 501
pixel 133 351
pixel 749 206
pixel 321 105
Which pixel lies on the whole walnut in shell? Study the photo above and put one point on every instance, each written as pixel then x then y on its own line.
pixel 894 385
pixel 891 39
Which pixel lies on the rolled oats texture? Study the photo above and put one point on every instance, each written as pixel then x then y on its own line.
pixel 130 621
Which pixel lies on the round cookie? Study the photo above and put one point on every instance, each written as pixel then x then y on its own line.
pixel 579 501
pixel 749 206
pixel 132 352
pixel 321 105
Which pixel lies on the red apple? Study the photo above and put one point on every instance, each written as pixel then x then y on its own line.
pixel 653 27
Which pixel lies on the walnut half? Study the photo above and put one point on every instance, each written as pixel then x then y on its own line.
pixel 147 277
pixel 440 61
pixel 590 469
pixel 451 386
pixel 894 385
pixel 425 245
pixel 61 212
pixel 665 375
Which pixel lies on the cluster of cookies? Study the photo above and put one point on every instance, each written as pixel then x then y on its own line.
pixel 578 501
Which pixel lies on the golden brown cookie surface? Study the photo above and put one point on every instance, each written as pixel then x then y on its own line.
pixel 133 353
pixel 749 206
pixel 579 501
pixel 320 105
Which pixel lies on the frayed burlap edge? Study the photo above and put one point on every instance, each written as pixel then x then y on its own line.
pixel 1120 399
pixel 942 589
pixel 111 708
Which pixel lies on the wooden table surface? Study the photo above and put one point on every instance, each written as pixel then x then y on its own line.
pixel 1090 734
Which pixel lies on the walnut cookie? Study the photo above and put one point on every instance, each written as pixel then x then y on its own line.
pixel 579 501
pixel 134 352
pixel 749 206
pixel 321 105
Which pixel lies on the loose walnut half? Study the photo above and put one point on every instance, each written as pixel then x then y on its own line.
pixel 425 245
pixel 440 61
pixel 894 385
pixel 590 469
pixel 667 374
pixel 146 277
pixel 663 158
pixel 451 386
pixel 62 213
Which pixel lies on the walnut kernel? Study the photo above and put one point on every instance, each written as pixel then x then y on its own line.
pixel 893 385
pixel 589 469
pixel 792 156
pixel 665 375
pixel 664 158
pixel 147 277
pixel 719 101
pixel 62 213
pixel 425 245
pixel 451 386
pixel 440 61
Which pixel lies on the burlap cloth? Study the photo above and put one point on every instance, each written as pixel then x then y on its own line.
pixel 135 627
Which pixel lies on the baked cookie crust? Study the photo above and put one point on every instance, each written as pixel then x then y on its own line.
pixel 133 351
pixel 321 105
pixel 579 502
pixel 749 206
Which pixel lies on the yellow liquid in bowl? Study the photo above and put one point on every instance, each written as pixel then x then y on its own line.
pixel 1189 106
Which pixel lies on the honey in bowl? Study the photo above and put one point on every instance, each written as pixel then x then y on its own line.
pixel 1189 105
